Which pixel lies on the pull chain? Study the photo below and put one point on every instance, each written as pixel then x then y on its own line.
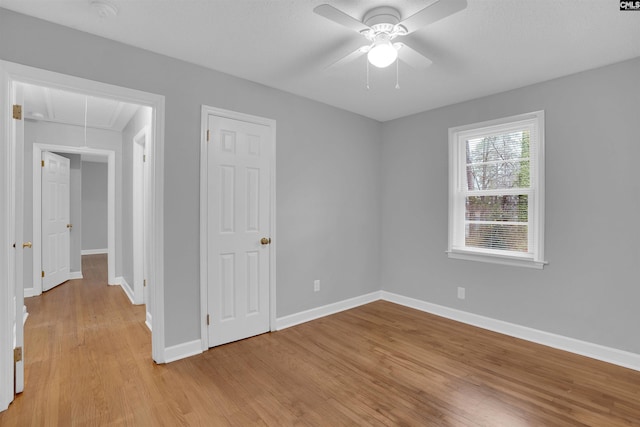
pixel 367 74
pixel 397 74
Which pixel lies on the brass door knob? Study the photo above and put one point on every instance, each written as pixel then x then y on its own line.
pixel 26 245
pixel 265 240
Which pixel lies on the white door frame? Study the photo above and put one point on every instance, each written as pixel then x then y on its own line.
pixel 38 149
pixel 140 142
pixel 204 273
pixel 13 73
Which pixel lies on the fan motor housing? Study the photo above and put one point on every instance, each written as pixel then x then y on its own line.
pixel 383 15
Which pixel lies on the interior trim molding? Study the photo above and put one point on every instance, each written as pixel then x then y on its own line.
pixel 595 351
pixel 122 282
pixel 325 310
pixel 94 251
pixel 182 351
pixel 73 275
pixel 148 321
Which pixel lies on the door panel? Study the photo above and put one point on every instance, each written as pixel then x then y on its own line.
pixel 18 220
pixel 238 198
pixel 55 220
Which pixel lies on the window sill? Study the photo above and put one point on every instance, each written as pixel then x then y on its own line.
pixel 496 259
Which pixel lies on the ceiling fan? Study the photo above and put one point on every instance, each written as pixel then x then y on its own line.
pixel 381 25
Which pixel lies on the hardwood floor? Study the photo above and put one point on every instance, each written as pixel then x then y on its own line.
pixel 88 364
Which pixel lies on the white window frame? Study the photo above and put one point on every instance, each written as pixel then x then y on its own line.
pixel 458 136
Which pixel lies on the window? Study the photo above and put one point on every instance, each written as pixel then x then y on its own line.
pixel 496 191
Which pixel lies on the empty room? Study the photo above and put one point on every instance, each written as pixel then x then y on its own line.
pixel 324 212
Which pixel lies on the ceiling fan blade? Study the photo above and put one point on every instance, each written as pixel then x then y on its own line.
pixel 432 13
pixel 412 57
pixel 350 57
pixel 339 17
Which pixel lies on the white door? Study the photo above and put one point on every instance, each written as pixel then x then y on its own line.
pixel 55 220
pixel 20 246
pixel 141 246
pixel 238 201
pixel 138 183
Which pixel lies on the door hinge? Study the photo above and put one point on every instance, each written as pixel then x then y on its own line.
pixel 207 320
pixel 42 273
pixel 144 283
pixel 144 158
pixel 17 112
pixel 42 163
pixel 17 354
pixel 208 135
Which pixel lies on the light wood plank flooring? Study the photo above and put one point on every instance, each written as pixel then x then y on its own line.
pixel 88 364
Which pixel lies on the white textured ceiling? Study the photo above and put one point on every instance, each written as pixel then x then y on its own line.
pixel 491 46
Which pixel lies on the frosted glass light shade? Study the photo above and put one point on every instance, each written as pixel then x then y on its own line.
pixel 382 54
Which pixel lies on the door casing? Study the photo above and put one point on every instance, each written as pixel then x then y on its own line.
pixel 37 208
pixel 204 273
pixel 10 74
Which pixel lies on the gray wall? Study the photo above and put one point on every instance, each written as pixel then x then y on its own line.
pixel 589 290
pixel 72 136
pixel 141 119
pixel 94 205
pixel 327 175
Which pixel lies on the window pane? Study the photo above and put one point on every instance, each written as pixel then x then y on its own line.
pixel 509 146
pixel 514 208
pixel 497 236
pixel 492 176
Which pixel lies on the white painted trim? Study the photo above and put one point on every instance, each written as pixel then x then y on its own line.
pixel 74 275
pixel 25 314
pixel 122 282
pixel 140 141
pixel 94 251
pixel 594 351
pixel 156 227
pixel 182 351
pixel 21 73
pixel 148 321
pixel 456 248
pixel 6 300
pixel 38 149
pixel 326 310
pixel 271 124
pixel 30 292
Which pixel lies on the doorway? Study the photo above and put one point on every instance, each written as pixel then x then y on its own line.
pixel 39 150
pixel 237 223
pixel 11 285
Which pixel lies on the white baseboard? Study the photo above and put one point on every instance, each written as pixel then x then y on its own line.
pixel 125 287
pixel 30 292
pixel 326 310
pixel 148 320
pixel 181 351
pixel 25 314
pixel 73 275
pixel 584 348
pixel 93 251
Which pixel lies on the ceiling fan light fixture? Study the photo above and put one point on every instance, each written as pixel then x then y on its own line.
pixel 383 53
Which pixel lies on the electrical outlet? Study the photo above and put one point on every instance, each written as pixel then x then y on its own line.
pixel 316 286
pixel 461 293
